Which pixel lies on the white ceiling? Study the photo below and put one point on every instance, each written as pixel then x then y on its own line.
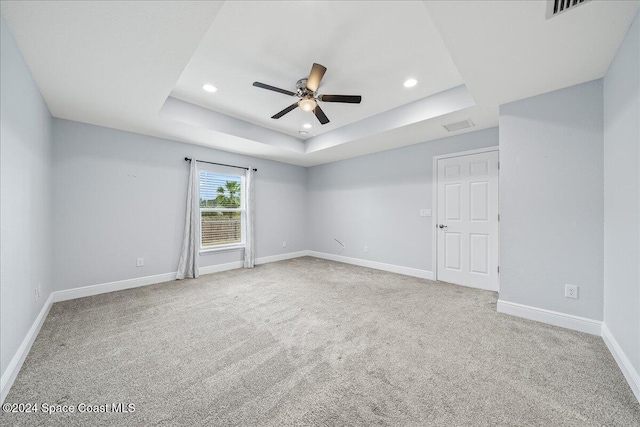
pixel 107 63
pixel 115 64
pixel 277 42
pixel 507 50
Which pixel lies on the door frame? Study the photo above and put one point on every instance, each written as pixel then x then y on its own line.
pixel 434 241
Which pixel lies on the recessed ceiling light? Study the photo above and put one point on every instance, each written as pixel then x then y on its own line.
pixel 307 126
pixel 209 88
pixel 303 132
pixel 410 83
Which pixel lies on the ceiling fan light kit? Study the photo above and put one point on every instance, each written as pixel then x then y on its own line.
pixel 307 104
pixel 306 90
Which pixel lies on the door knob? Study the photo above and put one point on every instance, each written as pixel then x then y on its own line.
pixel 442 226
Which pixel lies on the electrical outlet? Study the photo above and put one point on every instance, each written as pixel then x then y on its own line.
pixel 284 244
pixel 139 262
pixel 39 290
pixel 366 249
pixel 571 291
pixel 36 294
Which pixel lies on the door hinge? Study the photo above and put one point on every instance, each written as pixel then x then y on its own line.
pixel 498 165
pixel 498 217
pixel 498 269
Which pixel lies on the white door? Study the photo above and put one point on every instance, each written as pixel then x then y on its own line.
pixel 467 220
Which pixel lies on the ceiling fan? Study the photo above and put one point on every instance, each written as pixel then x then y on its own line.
pixel 306 90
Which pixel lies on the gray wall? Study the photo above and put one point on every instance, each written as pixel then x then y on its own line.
pixel 375 200
pixel 622 196
pixel 25 194
pixel 120 196
pixel 551 200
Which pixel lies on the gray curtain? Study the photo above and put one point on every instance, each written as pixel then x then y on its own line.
pixel 249 250
pixel 188 264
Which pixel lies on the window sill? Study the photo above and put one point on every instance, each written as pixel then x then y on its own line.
pixel 221 248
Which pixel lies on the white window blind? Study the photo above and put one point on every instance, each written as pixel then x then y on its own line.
pixel 222 210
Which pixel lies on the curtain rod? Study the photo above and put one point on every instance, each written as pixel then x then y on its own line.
pixel 220 164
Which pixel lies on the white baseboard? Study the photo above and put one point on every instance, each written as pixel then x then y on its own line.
pixel 629 372
pixel 555 318
pixel 119 285
pixel 407 271
pixel 281 257
pixel 262 260
pixel 10 374
pixel 218 268
pixel 102 288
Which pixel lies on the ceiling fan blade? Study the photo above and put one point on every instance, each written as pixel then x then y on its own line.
pixel 320 115
pixel 273 88
pixel 285 111
pixel 316 74
pixel 349 99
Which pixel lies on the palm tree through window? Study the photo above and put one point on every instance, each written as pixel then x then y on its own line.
pixel 221 210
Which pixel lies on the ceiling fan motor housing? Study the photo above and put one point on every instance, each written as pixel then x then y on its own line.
pixel 303 92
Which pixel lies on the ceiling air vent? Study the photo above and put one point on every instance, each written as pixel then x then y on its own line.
pixel 452 127
pixel 556 7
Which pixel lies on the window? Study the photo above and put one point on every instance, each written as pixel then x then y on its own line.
pixel 222 211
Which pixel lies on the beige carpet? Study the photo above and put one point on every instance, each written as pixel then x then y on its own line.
pixel 314 342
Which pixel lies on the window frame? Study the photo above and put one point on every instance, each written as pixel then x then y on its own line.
pixel 243 215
